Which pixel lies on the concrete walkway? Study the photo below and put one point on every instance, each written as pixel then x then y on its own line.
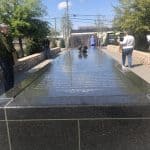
pixel 139 69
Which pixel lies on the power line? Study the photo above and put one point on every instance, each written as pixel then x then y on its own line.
pixel 83 19
pixel 85 15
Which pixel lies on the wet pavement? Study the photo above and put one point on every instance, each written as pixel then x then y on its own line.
pixel 79 102
pixel 92 77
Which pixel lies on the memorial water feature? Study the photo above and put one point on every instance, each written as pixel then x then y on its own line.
pixel 79 102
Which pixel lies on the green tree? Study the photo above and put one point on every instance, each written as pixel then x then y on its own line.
pixel 38 29
pixel 20 14
pixel 134 15
pixel 36 34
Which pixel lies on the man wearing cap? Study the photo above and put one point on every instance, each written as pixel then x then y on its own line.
pixel 6 57
pixel 127 48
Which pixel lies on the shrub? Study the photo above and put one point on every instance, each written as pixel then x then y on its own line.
pixel 53 44
pixel 33 46
pixel 62 43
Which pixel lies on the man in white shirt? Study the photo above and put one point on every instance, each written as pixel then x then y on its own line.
pixel 127 48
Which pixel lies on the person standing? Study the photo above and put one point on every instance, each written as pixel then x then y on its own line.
pixel 6 57
pixel 47 48
pixel 127 45
pixel 92 41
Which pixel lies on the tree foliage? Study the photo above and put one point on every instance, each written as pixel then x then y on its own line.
pixel 134 15
pixel 20 15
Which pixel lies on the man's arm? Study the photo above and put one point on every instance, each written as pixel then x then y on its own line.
pixel 134 43
pixel 124 41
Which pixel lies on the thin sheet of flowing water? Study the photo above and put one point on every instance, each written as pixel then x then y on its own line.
pixel 74 74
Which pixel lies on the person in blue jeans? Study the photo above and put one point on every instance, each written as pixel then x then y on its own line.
pixel 127 48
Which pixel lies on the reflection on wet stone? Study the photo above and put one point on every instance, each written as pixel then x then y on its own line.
pixel 81 77
pixel 3 137
pixel 115 135
pixel 44 135
pixel 97 75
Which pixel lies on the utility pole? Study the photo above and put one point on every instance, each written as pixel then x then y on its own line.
pixel 55 26
pixel 98 24
pixel 99 27
pixel 67 24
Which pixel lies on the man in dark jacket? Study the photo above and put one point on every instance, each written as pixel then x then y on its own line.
pixel 46 44
pixel 6 57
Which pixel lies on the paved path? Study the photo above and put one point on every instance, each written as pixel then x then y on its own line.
pixel 141 70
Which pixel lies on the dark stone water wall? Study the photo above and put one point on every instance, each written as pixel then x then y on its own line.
pixel 80 102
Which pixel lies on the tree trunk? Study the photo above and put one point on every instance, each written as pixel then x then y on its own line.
pixel 21 47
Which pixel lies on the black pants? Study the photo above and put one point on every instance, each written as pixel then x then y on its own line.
pixel 8 73
pixel 47 52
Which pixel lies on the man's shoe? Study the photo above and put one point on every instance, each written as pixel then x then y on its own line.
pixel 123 67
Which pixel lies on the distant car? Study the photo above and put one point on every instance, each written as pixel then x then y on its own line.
pixel 120 35
pixel 148 38
pixel 108 38
pixel 111 38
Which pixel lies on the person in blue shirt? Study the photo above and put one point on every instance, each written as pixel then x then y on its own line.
pixel 92 41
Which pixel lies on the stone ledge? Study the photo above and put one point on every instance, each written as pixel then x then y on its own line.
pixel 55 51
pixel 25 63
